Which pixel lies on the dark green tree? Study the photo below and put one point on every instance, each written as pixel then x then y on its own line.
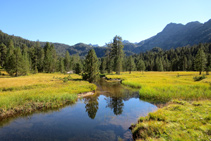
pixel 19 63
pixel 131 64
pixel 91 69
pixel 26 64
pixel 61 65
pixel 75 59
pixel 158 64
pixel 10 59
pixel 41 56
pixel 109 60
pixel 208 67
pixel 200 60
pixel 78 68
pixel 67 61
pixel 103 66
pixel 50 57
pixel 141 65
pixel 3 52
pixel 117 53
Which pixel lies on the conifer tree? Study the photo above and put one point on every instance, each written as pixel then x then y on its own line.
pixel 78 68
pixel 200 60
pixel 158 64
pixel 61 65
pixel 53 64
pixel 131 64
pixel 48 60
pixel 67 61
pixel 91 69
pixel 109 60
pixel 10 59
pixel 75 59
pixel 3 52
pixel 103 65
pixel 141 65
pixel 41 56
pixel 26 65
pixel 208 67
pixel 19 63
pixel 117 53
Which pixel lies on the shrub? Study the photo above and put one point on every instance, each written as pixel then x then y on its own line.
pixel 199 78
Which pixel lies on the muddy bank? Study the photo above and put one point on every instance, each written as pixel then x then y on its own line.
pixel 85 94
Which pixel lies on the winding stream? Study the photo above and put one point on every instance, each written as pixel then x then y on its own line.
pixel 106 115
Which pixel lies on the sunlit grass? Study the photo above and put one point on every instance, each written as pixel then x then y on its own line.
pixel 39 90
pixel 164 86
pixel 180 120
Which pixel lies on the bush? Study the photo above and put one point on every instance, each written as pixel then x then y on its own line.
pixel 199 78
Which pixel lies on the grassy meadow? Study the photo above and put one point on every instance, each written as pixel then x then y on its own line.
pixel 165 86
pixel 28 93
pixel 179 119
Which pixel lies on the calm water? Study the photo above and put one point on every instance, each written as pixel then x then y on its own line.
pixel 106 115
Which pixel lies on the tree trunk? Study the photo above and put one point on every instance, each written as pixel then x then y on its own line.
pixel 199 72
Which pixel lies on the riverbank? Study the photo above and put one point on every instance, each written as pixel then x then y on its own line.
pixel 165 86
pixel 178 120
pixel 39 91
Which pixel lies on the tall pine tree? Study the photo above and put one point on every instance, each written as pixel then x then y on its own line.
pixel 117 53
pixel 200 60
pixel 91 69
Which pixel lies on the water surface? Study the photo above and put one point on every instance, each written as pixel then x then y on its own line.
pixel 106 115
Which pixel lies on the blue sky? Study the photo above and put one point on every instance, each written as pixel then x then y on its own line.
pixel 96 21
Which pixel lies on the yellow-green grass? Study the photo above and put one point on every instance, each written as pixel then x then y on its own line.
pixel 28 93
pixel 164 86
pixel 180 120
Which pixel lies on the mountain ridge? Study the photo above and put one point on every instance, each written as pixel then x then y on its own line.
pixel 172 36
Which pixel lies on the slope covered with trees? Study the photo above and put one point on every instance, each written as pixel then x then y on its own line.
pixel 177 35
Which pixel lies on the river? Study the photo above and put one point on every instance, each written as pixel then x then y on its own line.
pixel 106 115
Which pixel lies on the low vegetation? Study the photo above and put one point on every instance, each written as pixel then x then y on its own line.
pixel 165 86
pixel 28 93
pixel 180 120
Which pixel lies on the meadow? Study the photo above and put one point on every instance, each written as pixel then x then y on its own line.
pixel 37 91
pixel 165 86
pixel 186 114
pixel 179 120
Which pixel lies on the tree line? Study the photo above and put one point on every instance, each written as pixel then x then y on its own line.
pixel 22 60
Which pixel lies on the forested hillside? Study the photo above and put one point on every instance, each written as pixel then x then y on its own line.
pixel 81 49
pixel 177 35
pixel 172 36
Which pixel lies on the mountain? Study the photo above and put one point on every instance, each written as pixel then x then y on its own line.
pixel 172 36
pixel 177 35
pixel 80 48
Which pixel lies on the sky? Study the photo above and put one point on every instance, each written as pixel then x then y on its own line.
pixel 96 21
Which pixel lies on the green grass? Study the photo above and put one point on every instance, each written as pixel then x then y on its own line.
pixel 29 93
pixel 180 120
pixel 165 86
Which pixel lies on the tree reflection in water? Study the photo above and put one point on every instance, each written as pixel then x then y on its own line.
pixel 115 94
pixel 91 106
pixel 116 104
